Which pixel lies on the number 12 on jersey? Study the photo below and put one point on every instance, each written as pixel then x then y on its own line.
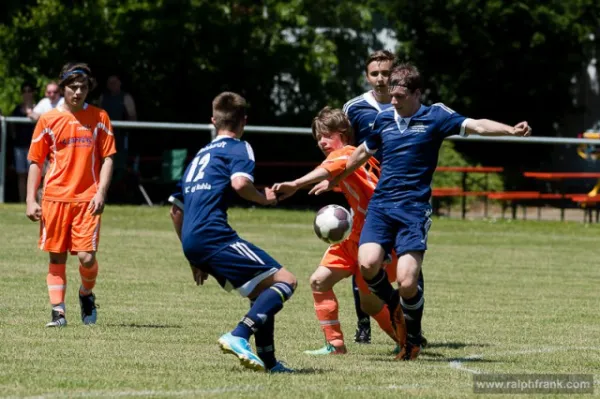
pixel 203 163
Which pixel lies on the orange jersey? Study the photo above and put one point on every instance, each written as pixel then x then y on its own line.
pixel 357 188
pixel 75 144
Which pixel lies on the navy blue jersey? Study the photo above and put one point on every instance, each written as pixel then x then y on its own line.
pixel 409 149
pixel 362 111
pixel 204 194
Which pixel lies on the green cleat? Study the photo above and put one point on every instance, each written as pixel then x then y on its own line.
pixel 328 349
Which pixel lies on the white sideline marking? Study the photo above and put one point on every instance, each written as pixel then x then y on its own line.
pixel 209 391
pixel 458 364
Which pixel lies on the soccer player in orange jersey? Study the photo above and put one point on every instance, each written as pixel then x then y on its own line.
pixel 77 140
pixel 332 130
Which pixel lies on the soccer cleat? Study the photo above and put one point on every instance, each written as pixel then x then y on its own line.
pixel 409 351
pixel 328 349
pixel 363 332
pixel 280 368
pixel 240 348
pixel 58 319
pixel 88 309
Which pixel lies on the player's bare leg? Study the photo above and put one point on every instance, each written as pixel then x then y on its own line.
pixel 411 299
pixel 326 308
pixel 370 258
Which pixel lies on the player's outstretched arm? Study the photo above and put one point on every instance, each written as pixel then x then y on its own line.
pixel 486 127
pixel 245 189
pixel 289 188
pixel 358 158
pixel 34 177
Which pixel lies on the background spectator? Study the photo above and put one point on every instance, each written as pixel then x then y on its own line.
pixel 51 101
pixel 21 135
pixel 120 106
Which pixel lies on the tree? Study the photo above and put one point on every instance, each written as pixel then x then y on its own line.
pixel 284 56
pixel 505 60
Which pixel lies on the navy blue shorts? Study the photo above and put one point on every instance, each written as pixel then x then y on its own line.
pixel 240 266
pixel 401 229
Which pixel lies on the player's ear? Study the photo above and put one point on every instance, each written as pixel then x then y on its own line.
pixel 212 120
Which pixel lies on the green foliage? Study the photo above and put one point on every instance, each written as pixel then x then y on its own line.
pixel 449 156
pixel 283 56
pixel 506 60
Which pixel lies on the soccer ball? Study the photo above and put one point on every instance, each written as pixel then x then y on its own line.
pixel 333 224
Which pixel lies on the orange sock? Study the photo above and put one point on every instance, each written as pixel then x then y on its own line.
pixel 326 307
pixel 57 283
pixel 88 278
pixel 383 319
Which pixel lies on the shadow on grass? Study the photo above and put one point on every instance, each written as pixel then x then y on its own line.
pixel 133 325
pixel 454 345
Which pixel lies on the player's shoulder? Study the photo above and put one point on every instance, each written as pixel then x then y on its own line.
pixel 387 113
pixel 51 115
pixel 355 103
pixel 94 110
pixel 345 151
pixel 441 108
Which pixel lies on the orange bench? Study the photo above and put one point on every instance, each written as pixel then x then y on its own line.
pixel 515 197
pixel 589 204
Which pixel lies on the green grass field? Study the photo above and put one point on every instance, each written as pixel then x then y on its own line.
pixel 501 297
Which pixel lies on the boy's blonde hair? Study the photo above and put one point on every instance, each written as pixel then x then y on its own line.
pixel 332 120
pixel 229 110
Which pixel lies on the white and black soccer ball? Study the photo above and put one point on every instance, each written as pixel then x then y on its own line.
pixel 333 224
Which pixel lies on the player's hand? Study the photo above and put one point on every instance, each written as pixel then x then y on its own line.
pixel 322 187
pixel 34 211
pixel 522 129
pixel 199 276
pixel 96 205
pixel 285 189
pixel 270 196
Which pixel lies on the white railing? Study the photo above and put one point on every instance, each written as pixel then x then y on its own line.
pixel 262 129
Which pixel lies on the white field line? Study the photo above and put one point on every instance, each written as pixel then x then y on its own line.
pixel 458 364
pixel 210 391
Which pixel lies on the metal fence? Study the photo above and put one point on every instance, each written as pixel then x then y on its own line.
pixel 4 121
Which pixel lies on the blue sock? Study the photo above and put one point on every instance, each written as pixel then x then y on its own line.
pixel 265 343
pixel 363 318
pixel 266 305
pixel 413 313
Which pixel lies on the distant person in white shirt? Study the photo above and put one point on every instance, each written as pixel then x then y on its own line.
pixel 48 103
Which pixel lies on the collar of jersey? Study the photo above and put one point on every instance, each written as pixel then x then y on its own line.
pixel 224 137
pixel 85 106
pixel 420 111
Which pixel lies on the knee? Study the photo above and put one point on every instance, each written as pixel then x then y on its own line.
pixel 318 284
pixel 285 276
pixel 86 259
pixel 408 284
pixel 58 258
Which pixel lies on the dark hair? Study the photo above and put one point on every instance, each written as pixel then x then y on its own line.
pixel 406 75
pixel 229 110
pixel 332 120
pixel 379 56
pixel 76 71
pixel 27 84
